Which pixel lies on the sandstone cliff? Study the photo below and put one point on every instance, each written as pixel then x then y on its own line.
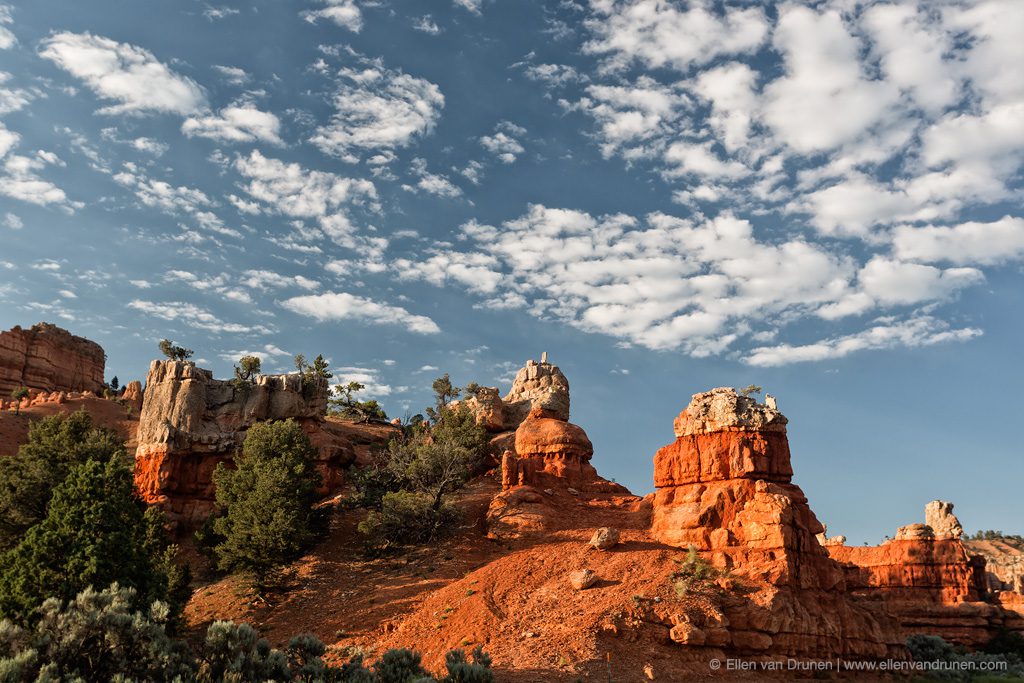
pixel 930 581
pixel 48 358
pixel 190 422
pixel 724 488
pixel 544 458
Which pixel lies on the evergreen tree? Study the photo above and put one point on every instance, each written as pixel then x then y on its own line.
pixel 247 369
pixel 174 352
pixel 345 404
pixel 94 534
pixel 267 501
pixel 115 383
pixel 55 445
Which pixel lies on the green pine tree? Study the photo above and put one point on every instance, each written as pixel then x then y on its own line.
pixel 94 534
pixel 267 501
pixel 55 445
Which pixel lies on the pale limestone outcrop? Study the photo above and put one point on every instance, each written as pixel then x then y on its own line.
pixel 190 422
pixel 723 409
pixel 938 514
pixel 48 358
pixel 537 385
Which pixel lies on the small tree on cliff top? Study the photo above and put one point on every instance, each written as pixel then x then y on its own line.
pixel 345 404
pixel 248 367
pixel 269 518
pixel 174 352
pixel 444 393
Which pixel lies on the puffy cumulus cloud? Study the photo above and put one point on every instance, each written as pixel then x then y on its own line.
pixel 704 285
pixel 232 74
pixel 551 75
pixel 331 306
pixel 916 331
pixel 19 179
pixel 237 123
pixel 503 143
pixel 431 183
pixel 126 74
pixel 476 272
pixel 970 242
pixel 896 282
pixel 268 279
pixel 291 190
pixel 344 13
pixel 659 34
pixel 824 99
pixel 194 316
pixel 376 109
pixel 632 116
pixel 849 121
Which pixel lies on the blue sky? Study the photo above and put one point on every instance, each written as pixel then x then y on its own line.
pixel 819 198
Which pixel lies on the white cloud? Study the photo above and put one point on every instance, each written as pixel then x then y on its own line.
pixel 129 75
pixel 344 13
pixel 502 143
pixel 292 190
pixel 431 183
pixel 151 146
pixel 469 5
pixel 237 123
pixel 332 306
pixel 214 12
pixel 426 25
pixel 552 75
pixel 7 38
pixel 971 242
pixel 658 34
pixel 267 279
pixel 897 282
pixel 193 316
pixel 12 221
pixel 378 109
pixel 232 74
pixel 912 54
pixel 19 180
pixel 823 100
pixel 913 332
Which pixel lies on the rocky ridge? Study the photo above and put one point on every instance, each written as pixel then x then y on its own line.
pixel 932 583
pixel 47 358
pixel 190 422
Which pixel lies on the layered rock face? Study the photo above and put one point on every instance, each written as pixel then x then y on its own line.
pixel 929 580
pixel 723 487
pixel 546 453
pixel 190 422
pixel 50 359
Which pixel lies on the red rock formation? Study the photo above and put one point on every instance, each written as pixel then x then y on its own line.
pixel 723 487
pixel 48 358
pixel 132 395
pixel 190 422
pixel 929 580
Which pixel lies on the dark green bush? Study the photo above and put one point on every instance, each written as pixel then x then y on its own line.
pixel 268 515
pixel 407 518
